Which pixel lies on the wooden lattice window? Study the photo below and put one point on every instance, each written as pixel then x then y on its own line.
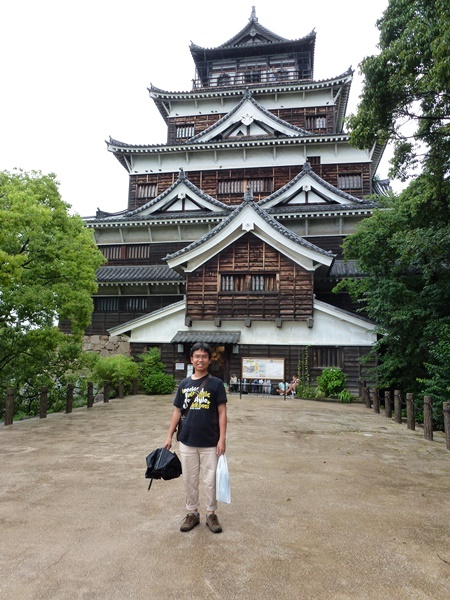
pixel 350 181
pixel 239 186
pixel 106 304
pixel 243 283
pixel 147 190
pixel 185 131
pixel 316 122
pixel 326 357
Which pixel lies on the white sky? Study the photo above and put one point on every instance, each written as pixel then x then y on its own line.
pixel 74 74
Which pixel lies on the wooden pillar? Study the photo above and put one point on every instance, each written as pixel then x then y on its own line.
pixel 398 406
pixel 410 412
pixel 375 400
pixel 43 401
pixel 427 418
pixel 446 409
pixel 106 388
pixel 121 389
pixel 90 394
pixel 387 404
pixel 69 398
pixel 9 406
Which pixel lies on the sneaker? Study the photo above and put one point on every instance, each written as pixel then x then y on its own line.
pixel 213 523
pixel 190 521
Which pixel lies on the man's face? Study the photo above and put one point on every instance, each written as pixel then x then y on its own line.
pixel 200 360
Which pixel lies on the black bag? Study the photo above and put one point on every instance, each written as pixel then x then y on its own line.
pixel 162 464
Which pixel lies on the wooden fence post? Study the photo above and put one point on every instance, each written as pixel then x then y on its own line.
pixel 43 400
pixel 9 406
pixel 427 418
pixel 90 394
pixel 366 396
pixel 375 401
pixel 121 389
pixel 410 412
pixel 361 385
pixel 446 409
pixel 398 406
pixel 387 404
pixel 69 398
pixel 106 388
pixel 135 386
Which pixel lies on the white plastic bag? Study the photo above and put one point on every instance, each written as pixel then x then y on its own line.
pixel 222 481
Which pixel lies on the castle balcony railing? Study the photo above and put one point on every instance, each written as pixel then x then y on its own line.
pixel 252 77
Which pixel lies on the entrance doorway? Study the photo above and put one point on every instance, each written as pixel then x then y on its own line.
pixel 217 367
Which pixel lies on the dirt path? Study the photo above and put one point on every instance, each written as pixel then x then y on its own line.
pixel 329 502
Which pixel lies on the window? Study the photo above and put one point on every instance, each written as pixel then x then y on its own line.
pixel 350 181
pixel 243 283
pixel 325 357
pixel 239 186
pixel 316 122
pixel 106 304
pixel 113 252
pixel 149 190
pixel 138 251
pixel 185 131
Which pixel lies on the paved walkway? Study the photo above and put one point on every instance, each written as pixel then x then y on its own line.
pixel 329 502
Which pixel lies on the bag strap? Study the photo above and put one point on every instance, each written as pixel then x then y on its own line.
pixel 183 414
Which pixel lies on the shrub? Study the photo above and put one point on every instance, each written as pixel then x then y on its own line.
pixel 345 397
pixel 331 381
pixel 152 374
pixel 150 363
pixel 159 383
pixel 114 368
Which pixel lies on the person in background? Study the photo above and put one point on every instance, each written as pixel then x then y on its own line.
pixel 293 385
pixel 282 388
pixel 203 435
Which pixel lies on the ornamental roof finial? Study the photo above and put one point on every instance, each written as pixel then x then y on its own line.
pixel 253 17
pixel 181 174
pixel 248 195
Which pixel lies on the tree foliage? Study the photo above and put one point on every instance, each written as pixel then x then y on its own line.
pixel 406 94
pixel 404 249
pixel 48 261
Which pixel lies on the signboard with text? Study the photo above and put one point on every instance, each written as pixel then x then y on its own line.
pixel 263 368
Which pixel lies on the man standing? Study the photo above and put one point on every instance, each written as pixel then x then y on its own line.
pixel 203 435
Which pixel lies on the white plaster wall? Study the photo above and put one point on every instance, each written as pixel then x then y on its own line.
pixel 328 330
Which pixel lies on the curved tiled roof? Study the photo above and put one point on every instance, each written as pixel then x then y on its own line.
pixel 135 274
pixel 253 28
pixel 248 201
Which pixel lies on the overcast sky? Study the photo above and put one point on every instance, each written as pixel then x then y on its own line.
pixel 74 74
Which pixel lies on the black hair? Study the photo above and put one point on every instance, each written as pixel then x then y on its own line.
pixel 201 346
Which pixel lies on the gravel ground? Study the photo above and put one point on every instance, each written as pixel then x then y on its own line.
pixel 329 502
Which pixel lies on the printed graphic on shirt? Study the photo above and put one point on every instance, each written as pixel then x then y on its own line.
pixel 202 400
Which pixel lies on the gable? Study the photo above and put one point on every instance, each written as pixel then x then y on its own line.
pixel 308 188
pixel 182 196
pixel 248 119
pixel 248 217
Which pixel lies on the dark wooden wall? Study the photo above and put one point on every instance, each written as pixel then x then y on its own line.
pixel 295 116
pixel 293 300
pixel 208 181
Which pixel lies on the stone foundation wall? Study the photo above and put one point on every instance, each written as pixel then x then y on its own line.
pixel 106 345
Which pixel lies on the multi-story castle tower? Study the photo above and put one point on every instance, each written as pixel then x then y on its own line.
pixel 233 230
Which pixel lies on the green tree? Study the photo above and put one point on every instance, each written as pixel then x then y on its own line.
pixel 406 94
pixel 48 261
pixel 404 248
